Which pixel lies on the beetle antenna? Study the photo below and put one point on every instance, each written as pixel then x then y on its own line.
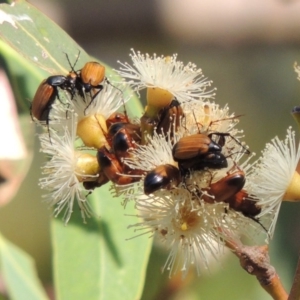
pixel 76 61
pixel 223 134
pixel 72 66
pixel 196 122
pixel 225 119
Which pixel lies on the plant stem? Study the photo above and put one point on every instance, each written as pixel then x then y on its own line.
pixel 255 260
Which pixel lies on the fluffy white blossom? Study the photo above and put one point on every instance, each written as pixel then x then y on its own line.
pixel 105 102
pixel 157 152
pixel 192 230
pixel 185 82
pixel 272 174
pixel 61 177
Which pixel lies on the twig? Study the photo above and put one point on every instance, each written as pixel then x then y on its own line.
pixel 255 260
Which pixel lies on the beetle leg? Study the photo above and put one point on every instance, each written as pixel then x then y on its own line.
pixel 100 88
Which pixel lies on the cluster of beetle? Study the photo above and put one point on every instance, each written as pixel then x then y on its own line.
pixel 198 152
pixel 195 152
pixel 83 81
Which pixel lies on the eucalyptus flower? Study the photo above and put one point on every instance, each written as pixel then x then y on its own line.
pixel 66 169
pixel 274 178
pixel 94 111
pixel 192 230
pixel 165 79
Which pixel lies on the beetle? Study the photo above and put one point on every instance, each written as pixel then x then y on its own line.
pixel 198 151
pixel 82 81
pixel 165 120
pixel 116 118
pixel 244 203
pixel 112 169
pixel 162 177
pixel 87 78
pixel 124 136
pixel 133 129
pixel 91 75
pixel 122 141
pixel 230 190
pixel 91 80
pixel 224 189
pixel 170 118
pixel 46 94
pixel 100 180
pixel 121 137
pixel 109 164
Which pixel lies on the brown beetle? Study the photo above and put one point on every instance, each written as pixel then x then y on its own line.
pixel 121 143
pixel 230 190
pixel 87 79
pixel 163 120
pixel 121 137
pixel 112 169
pixel 162 177
pixel 198 151
pixel 225 188
pixel 125 136
pixel 116 118
pixel 46 94
pixel 92 74
pixel 98 182
pixel 109 164
pixel 247 205
pixel 170 118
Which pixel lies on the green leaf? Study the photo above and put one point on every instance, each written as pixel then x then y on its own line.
pixel 94 260
pixel 38 38
pixel 156 281
pixel 41 41
pixel 19 273
pixel 23 75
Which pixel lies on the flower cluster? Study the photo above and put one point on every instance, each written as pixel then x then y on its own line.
pixel 184 163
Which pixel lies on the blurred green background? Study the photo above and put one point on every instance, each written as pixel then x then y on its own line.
pixel 248 50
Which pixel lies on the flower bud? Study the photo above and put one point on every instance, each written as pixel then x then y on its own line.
pixel 292 193
pixel 157 99
pixel 87 166
pixel 92 130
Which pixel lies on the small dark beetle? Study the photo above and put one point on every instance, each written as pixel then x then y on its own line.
pixel 170 118
pixel 198 151
pixel 98 182
pixel 112 169
pixel 124 137
pixel 162 177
